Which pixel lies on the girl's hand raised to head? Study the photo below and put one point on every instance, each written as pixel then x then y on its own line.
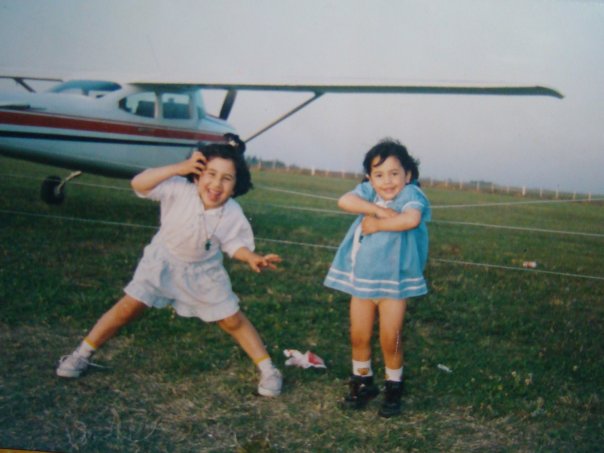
pixel 195 164
pixel 148 179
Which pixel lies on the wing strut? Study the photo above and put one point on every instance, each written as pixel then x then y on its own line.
pixel 24 84
pixel 316 96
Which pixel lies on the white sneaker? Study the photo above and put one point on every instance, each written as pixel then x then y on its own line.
pixel 73 365
pixel 270 383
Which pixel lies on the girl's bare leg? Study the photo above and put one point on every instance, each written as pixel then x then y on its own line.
pixel 125 310
pixel 362 316
pixel 244 332
pixel 392 315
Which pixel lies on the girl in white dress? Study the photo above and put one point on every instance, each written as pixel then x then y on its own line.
pixel 183 264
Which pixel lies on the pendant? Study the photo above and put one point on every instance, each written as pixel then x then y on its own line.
pixel 208 245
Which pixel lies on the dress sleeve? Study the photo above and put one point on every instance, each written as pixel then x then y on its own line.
pixel 414 198
pixel 165 190
pixel 365 191
pixel 235 231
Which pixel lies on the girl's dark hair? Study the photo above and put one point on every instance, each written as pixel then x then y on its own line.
pixel 233 150
pixel 389 147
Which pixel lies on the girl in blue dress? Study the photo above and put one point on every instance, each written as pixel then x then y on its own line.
pixel 380 263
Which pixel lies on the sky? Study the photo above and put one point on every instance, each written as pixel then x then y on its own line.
pixel 537 142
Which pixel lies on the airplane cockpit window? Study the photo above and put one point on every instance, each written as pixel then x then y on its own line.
pixel 91 88
pixel 176 106
pixel 141 104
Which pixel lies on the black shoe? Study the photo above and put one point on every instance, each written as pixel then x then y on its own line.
pixel 362 390
pixel 392 399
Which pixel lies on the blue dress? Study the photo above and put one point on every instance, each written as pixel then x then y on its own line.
pixel 386 264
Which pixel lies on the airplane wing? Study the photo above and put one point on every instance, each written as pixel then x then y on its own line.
pixel 462 89
pixel 319 90
pixel 375 87
pixel 401 89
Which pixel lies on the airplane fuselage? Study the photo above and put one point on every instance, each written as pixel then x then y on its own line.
pixel 114 133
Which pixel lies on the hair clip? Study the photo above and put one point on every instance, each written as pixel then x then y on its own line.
pixel 234 141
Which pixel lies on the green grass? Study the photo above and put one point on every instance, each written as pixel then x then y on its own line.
pixel 525 347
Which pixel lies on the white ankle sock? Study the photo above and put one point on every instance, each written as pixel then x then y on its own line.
pixel 265 365
pixel 362 368
pixel 394 375
pixel 85 349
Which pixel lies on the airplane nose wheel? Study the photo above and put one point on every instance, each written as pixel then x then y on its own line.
pixel 52 190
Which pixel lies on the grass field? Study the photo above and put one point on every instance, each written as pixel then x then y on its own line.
pixel 525 346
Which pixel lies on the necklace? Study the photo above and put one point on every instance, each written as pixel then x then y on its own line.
pixel 208 242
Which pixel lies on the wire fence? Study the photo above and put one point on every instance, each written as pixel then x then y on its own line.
pixel 427 182
pixel 448 184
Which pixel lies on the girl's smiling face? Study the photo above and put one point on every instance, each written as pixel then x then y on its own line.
pixel 388 178
pixel 216 184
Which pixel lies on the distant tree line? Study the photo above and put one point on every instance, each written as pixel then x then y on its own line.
pixel 474 185
pixel 254 161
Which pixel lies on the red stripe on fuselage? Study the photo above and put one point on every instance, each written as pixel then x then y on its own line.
pixel 103 126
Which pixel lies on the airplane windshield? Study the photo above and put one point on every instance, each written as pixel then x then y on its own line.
pixel 166 105
pixel 92 88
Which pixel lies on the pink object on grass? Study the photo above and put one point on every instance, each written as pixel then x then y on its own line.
pixel 306 360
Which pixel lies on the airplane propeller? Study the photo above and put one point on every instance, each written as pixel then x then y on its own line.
pixel 227 105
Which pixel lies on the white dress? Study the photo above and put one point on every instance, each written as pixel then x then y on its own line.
pixel 176 268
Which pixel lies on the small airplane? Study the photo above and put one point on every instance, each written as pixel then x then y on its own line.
pixel 119 129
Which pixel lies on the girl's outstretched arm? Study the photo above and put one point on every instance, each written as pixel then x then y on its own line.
pixel 147 180
pixel 257 262
pixel 403 221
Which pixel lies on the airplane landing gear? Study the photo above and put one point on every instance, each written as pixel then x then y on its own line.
pixel 52 190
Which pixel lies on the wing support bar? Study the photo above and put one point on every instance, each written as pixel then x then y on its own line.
pixel 24 84
pixel 316 96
